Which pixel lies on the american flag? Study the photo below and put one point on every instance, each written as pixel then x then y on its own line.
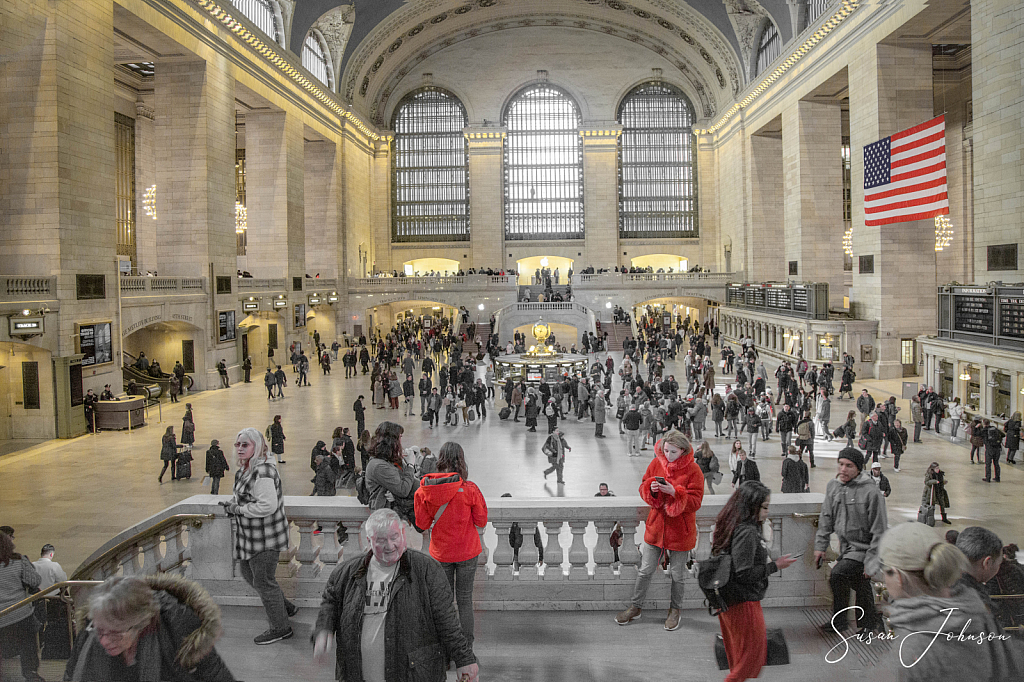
pixel 905 175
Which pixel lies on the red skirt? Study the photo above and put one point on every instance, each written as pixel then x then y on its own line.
pixel 745 639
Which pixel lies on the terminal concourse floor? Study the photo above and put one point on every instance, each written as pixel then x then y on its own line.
pixel 78 493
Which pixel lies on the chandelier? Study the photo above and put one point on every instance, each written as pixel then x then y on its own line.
pixel 241 222
pixel 943 232
pixel 848 241
pixel 149 201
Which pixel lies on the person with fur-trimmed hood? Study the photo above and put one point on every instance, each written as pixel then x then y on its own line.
pixel 155 627
pixel 673 487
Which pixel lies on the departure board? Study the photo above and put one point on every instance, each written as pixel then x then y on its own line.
pixel 796 300
pixel 778 298
pixel 800 299
pixel 974 314
pixel 1011 316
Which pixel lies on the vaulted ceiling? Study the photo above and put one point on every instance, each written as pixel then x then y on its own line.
pixel 709 41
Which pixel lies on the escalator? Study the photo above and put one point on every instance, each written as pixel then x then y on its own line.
pixel 147 385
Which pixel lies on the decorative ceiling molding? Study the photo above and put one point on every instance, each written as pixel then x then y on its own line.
pixel 335 25
pixel 747 17
pixel 695 82
pixel 287 12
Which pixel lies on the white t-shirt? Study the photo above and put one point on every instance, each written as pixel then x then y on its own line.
pixel 379 580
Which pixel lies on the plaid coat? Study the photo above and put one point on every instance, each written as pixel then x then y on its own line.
pixel 255 535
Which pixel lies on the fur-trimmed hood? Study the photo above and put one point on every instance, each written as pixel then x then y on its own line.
pixel 175 592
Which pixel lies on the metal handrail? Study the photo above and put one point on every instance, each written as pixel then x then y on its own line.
pixel 84 571
pixel 45 594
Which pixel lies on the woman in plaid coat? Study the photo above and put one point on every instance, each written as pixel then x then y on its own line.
pixel 261 529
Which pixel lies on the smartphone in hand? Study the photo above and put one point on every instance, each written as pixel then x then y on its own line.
pixel 661 480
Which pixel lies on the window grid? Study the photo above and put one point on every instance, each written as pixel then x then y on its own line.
pixel 657 169
pixel 770 47
pixel 260 13
pixel 847 198
pixel 429 168
pixel 242 240
pixel 543 163
pixel 314 59
pixel 124 150
pixel 815 8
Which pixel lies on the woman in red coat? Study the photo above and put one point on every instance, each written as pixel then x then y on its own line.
pixel 673 486
pixel 455 507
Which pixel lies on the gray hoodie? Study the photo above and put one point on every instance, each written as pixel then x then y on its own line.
pixel 954 659
pixel 856 513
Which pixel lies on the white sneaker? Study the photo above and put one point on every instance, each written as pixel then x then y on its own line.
pixel 896 470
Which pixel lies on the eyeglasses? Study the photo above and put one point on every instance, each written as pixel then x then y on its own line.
pixel 113 634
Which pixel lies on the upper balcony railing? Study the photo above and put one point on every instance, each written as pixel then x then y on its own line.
pixel 28 288
pixel 578 570
pixel 248 283
pixel 382 284
pixel 615 279
pixel 156 286
pixel 321 283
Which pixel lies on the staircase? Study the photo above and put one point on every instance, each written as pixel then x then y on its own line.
pixel 483 330
pixel 617 333
pixel 537 290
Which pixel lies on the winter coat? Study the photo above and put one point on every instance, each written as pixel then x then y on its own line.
pixel 188 432
pixel 395 389
pixel 216 463
pixel 794 475
pixel 631 420
pixel 936 481
pixel 916 413
pixel 717 410
pixel 672 521
pixel 183 639
pixel 865 404
pixel 319 449
pixel 963 613
pixel 872 433
pixel 1012 433
pixel 384 477
pixel 785 421
pixel 750 565
pixel 326 479
pixel 454 536
pixel 421 628
pixel 18 574
pixel 168 448
pixel 898 440
pixel 883 484
pixel 699 413
pixel 277 439
pixel 599 409
pixel 753 423
pixel 855 511
pixel 709 467
pixel 517 397
pixel 824 410
pixel 745 471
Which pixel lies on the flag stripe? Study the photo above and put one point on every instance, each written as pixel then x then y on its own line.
pixel 935 165
pixel 929 196
pixel 923 155
pixel 910 132
pixel 905 175
pixel 914 216
pixel 907 184
pixel 936 136
pixel 908 210
pixel 924 186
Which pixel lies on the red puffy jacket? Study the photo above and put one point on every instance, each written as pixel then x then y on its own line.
pixel 672 521
pixel 454 538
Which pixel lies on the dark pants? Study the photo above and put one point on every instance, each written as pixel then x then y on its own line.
pixel 896 459
pixel 516 417
pixel 927 419
pixel 169 463
pixel 248 371
pixel 224 381
pixel 215 488
pixel 599 430
pixel 259 573
pixel 433 417
pixel 21 638
pixel 556 467
pixel 992 458
pixel 461 575
pixel 846 575
pixel 809 447
pixel 917 432
pixel 360 427
pixel 303 380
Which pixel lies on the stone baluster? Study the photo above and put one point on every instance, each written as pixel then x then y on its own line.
pixel 307 553
pixel 703 549
pixel 351 547
pixel 776 536
pixel 330 550
pixel 503 554
pixel 578 554
pixel 481 560
pixel 175 551
pixel 131 562
pixel 151 555
pixel 603 553
pixel 629 555
pixel 528 554
pixel 553 554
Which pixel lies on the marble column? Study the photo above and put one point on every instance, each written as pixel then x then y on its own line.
pixel 601 191
pixel 767 259
pixel 485 196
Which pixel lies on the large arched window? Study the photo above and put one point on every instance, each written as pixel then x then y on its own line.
pixel 264 14
pixel 657 168
pixel 543 165
pixel 316 59
pixel 430 181
pixel 770 47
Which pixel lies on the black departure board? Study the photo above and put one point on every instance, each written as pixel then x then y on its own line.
pixel 974 314
pixel 1011 316
pixel 778 298
pixel 800 299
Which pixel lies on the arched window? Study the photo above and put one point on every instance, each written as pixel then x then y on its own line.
pixel 770 47
pixel 316 60
pixel 815 8
pixel 543 165
pixel 430 178
pixel 263 14
pixel 657 168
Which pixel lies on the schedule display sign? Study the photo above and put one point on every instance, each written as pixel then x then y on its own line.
pixel 985 315
pixel 797 300
pixel 94 343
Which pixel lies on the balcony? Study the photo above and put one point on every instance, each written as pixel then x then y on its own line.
pixel 372 285
pixel 134 287
pixel 28 289
pixel 250 284
pixel 633 280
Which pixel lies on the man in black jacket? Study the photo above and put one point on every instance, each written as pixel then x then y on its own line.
pixel 784 424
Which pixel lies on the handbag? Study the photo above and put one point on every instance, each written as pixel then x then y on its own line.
pixel 926 514
pixel 778 650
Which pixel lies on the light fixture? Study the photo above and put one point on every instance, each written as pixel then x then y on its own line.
pixel 26 312
pixel 608 304
pixel 943 232
pixel 480 307
pixel 848 241
pixel 965 376
pixel 241 218
pixel 149 201
pixel 992 383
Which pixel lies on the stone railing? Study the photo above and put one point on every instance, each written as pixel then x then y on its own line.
pixel 466 282
pixel 158 547
pixel 615 279
pixel 142 286
pixel 322 283
pixel 578 571
pixel 247 283
pixel 28 288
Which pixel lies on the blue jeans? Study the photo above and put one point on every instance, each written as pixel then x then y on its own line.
pixel 461 575
pixel 259 573
pixel 649 564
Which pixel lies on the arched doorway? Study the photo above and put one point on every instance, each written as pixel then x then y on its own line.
pixel 661 262
pixel 168 342
pixel 26 395
pixel 527 268
pixel 422 267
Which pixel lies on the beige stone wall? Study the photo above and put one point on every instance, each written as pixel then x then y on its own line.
pixel 768 223
pixel 321 204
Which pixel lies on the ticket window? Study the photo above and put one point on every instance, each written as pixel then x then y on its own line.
pixel 1001 397
pixel 973 395
pixel 946 382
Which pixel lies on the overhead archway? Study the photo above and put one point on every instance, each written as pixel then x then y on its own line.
pixel 527 268
pixel 661 262
pixel 421 267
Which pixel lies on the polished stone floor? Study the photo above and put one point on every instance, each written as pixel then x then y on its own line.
pixel 76 494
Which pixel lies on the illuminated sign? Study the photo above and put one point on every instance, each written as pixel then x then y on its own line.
pixel 26 326
pixel 251 305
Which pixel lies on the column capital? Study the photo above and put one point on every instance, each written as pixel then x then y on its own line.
pixel 485 140
pixel 600 133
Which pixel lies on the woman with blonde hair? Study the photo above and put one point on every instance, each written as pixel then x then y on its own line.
pixel 921 573
pixel 261 529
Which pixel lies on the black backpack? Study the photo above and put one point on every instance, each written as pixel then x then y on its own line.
pixel 362 492
pixel 712 576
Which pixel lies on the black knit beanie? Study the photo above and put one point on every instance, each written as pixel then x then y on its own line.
pixel 854 455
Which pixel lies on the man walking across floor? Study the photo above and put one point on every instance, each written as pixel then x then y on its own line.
pixel 865 405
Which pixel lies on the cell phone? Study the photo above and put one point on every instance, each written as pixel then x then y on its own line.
pixel 797 555
pixel 821 560
pixel 661 480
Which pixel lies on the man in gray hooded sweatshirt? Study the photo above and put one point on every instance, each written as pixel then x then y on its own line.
pixel 854 510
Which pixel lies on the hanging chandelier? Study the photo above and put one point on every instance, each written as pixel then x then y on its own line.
pixel 149 201
pixel 848 241
pixel 943 232
pixel 241 219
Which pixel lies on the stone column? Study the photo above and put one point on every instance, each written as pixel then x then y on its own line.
pixel 601 191
pixel 145 177
pixel 486 228
pixel 274 193
pixel 891 90
pixel 997 51
pixel 195 162
pixel 320 213
pixel 767 261
pixel 812 156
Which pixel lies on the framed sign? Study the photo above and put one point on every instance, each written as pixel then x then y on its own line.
pixel 300 315
pixel 94 344
pixel 226 325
